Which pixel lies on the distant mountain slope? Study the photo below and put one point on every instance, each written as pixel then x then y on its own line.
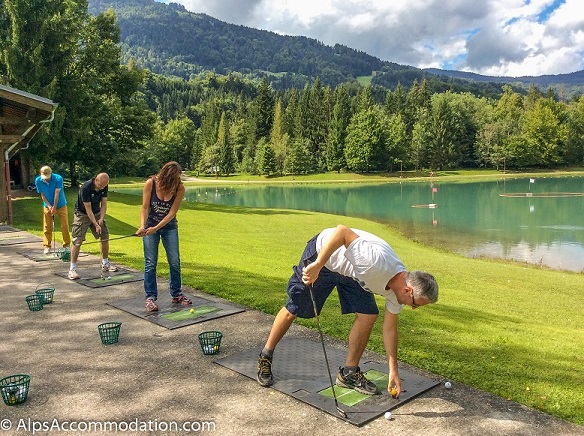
pixel 169 40
pixel 572 83
pixel 576 78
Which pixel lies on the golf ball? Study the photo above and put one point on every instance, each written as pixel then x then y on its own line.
pixel 387 415
pixel 192 310
pixel 447 385
pixel 393 392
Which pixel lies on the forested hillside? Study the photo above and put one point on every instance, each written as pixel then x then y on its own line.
pixel 169 40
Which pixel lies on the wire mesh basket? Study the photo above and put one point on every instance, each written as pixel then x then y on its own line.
pixel 64 254
pixel 14 389
pixel 46 291
pixel 210 342
pixel 109 332
pixel 35 302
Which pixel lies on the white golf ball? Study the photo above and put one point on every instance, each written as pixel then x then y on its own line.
pixel 447 385
pixel 387 415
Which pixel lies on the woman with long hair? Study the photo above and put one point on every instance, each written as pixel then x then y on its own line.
pixel 161 199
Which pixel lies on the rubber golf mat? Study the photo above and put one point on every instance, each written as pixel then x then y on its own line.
pixel 11 238
pixel 4 228
pixel 173 316
pixel 91 276
pixel 38 256
pixel 300 371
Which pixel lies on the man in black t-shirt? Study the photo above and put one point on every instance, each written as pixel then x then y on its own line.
pixel 90 210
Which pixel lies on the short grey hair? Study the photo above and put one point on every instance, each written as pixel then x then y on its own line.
pixel 424 285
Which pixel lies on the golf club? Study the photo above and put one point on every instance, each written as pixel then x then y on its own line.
pixel 341 411
pixel 110 239
pixel 54 237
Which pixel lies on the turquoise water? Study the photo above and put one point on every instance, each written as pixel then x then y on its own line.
pixel 542 224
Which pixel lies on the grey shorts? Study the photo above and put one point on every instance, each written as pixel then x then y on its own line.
pixel 82 223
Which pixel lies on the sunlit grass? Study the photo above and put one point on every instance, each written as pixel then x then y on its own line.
pixel 348 177
pixel 364 80
pixel 510 329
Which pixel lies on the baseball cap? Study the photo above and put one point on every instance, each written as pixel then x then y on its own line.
pixel 46 172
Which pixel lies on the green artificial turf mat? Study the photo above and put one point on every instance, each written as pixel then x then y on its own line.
pixel 186 313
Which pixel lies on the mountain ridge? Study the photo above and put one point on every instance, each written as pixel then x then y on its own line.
pixel 170 40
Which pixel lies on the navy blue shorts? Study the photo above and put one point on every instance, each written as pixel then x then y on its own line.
pixel 353 298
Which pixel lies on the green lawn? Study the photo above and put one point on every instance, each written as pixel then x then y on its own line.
pixel 513 330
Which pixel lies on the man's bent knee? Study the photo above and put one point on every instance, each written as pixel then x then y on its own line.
pixel 366 318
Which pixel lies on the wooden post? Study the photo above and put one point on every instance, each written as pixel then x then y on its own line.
pixel 4 187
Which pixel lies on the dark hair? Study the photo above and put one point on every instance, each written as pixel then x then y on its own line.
pixel 168 178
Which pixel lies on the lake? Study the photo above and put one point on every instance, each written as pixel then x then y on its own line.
pixel 537 220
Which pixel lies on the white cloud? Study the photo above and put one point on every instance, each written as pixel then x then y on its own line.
pixel 493 37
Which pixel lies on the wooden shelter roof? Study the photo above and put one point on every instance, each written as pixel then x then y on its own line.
pixel 21 116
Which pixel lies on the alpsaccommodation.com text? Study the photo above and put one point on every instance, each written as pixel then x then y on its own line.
pixel 136 425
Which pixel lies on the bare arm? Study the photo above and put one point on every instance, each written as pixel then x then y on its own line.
pixel 390 340
pixel 56 200
pixel 52 207
pixel 342 235
pixel 102 210
pixel 146 194
pixel 47 202
pixel 91 216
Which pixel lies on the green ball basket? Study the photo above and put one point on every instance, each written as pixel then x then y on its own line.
pixel 35 302
pixel 14 389
pixel 210 342
pixel 109 332
pixel 64 254
pixel 46 292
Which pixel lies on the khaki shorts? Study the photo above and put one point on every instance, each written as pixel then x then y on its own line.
pixel 82 223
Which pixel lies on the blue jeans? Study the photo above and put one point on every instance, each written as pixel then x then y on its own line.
pixel 170 243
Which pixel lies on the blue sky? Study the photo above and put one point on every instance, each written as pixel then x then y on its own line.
pixel 491 37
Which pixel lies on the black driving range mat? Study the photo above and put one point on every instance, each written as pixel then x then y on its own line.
pixel 300 371
pixel 4 229
pixel 173 316
pixel 11 238
pixel 92 277
pixel 38 256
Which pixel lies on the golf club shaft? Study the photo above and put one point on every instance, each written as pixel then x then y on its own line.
pixel 110 239
pixel 54 236
pixel 342 412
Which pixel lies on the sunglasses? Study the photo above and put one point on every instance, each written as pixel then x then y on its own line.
pixel 414 305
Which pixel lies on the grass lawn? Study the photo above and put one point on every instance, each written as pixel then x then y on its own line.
pixel 514 330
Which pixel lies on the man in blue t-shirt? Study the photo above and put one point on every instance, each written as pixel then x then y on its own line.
pixel 90 210
pixel 50 186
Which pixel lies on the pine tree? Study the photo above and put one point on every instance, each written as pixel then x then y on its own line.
pixel 226 154
pixel 264 110
pixel 338 131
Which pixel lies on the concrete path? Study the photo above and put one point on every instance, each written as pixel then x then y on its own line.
pixel 155 378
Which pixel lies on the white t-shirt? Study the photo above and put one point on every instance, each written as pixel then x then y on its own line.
pixel 369 260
